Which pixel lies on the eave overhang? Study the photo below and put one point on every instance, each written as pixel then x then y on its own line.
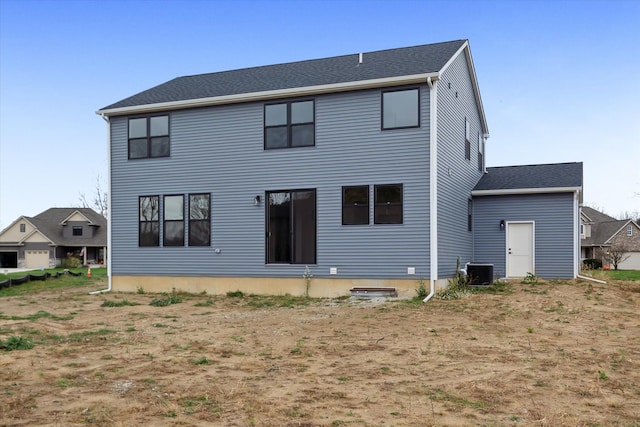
pixel 271 94
pixel 505 192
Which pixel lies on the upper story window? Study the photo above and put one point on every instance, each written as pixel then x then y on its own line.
pixel 173 234
pixel 387 204
pixel 149 221
pixel 467 140
pixel 480 153
pixel 629 230
pixel 355 205
pixel 289 124
pixel 400 109
pixel 582 230
pixel 23 228
pixel 149 137
pixel 77 230
pixel 199 220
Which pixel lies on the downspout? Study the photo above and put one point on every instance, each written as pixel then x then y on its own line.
pixel 433 187
pixel 592 279
pixel 108 252
pixel 576 231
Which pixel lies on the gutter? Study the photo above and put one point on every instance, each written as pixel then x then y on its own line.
pixel 502 192
pixel 433 187
pixel 269 94
pixel 106 119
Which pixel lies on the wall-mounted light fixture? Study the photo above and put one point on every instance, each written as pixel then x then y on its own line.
pixel 502 224
pixel 256 200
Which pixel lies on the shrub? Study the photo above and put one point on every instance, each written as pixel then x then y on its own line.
pixel 592 264
pixel 70 262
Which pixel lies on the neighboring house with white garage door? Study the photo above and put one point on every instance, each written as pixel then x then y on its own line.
pixel 44 240
pixel 600 233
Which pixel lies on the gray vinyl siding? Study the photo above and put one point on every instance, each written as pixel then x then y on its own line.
pixel 456 175
pixel 554 231
pixel 219 150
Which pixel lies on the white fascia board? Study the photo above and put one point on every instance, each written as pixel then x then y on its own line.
pixel 270 94
pixel 474 80
pixel 525 191
pixel 64 221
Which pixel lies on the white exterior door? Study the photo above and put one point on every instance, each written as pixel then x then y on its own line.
pixel 520 249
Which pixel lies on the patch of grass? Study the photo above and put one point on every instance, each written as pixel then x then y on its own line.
pixel 63 382
pixel 63 281
pixel 201 361
pixel 169 299
pixel 498 287
pixel 16 343
pixel 123 303
pixel 235 294
pixel 444 396
pixel 206 303
pixel 622 274
pixel 602 375
pixel 36 316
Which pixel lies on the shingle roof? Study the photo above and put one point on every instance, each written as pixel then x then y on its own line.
pixel 406 61
pixel 595 215
pixel 48 223
pixel 546 176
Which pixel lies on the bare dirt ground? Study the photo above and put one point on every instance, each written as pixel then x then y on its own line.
pixel 548 354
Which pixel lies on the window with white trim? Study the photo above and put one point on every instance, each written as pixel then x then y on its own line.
pixel 629 230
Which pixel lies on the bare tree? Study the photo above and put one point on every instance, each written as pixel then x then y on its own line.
pixel 617 254
pixel 99 202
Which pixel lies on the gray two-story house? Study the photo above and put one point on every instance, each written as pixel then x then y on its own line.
pixel 358 169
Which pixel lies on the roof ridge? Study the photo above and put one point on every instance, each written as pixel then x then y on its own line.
pixel 317 59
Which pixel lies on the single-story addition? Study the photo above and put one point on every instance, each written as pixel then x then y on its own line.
pixel 341 172
pixel 44 240
pixel 526 220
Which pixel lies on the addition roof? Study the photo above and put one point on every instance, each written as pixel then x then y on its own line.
pixel 553 177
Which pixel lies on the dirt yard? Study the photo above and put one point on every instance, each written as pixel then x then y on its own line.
pixel 545 354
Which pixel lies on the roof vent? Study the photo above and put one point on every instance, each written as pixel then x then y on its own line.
pixel 360 58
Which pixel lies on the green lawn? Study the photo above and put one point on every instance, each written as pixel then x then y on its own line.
pixel 622 274
pixel 63 281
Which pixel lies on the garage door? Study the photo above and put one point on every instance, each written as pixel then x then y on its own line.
pixel 633 263
pixel 36 259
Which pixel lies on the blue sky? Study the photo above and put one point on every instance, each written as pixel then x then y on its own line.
pixel 560 80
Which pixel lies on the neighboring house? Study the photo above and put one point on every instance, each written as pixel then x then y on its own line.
pixel 360 167
pixel 44 240
pixel 599 233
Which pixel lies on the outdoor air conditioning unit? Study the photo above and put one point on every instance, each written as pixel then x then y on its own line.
pixel 480 274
